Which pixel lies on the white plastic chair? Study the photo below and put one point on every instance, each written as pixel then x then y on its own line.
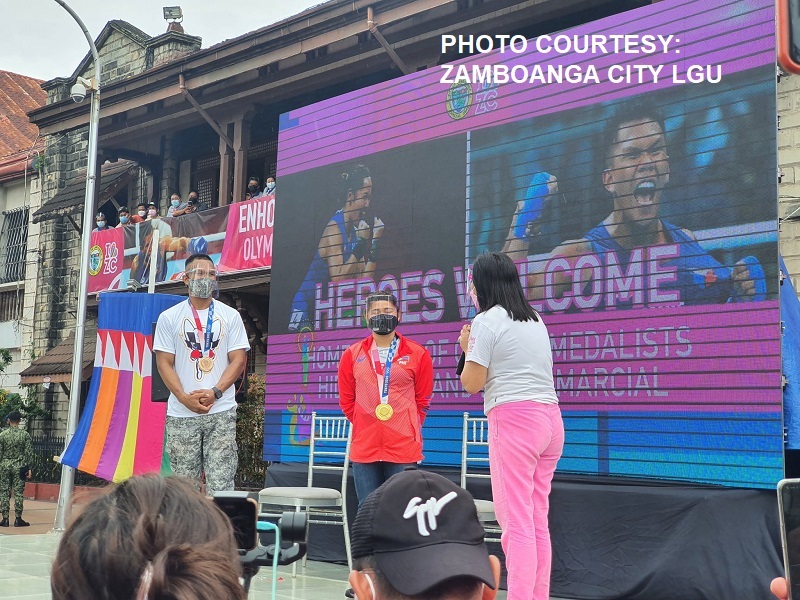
pixel 330 439
pixel 475 465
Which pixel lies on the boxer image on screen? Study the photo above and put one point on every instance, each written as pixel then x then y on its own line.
pixel 636 172
pixel 348 248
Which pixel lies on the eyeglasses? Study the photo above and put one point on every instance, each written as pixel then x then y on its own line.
pixel 202 273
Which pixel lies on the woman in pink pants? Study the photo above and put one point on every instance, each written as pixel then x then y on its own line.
pixel 508 356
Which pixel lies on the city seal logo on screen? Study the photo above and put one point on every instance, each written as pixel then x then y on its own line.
pixel 459 100
pixel 95 259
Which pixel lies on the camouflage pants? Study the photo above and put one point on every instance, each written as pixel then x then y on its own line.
pixel 205 443
pixel 9 479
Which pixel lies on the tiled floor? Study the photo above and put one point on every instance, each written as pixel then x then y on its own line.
pixel 25 566
pixel 25 573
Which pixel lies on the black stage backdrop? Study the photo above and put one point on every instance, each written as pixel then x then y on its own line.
pixel 632 541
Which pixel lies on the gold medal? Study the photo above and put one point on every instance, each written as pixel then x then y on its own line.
pixel 384 412
pixel 206 364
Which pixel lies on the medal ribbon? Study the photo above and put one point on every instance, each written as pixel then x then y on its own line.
pixel 384 389
pixel 208 325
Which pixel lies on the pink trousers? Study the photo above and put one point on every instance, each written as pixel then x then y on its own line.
pixel 525 442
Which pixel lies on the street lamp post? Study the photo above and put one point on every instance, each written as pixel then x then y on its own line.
pixel 67 472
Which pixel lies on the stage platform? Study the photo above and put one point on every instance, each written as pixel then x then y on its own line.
pixel 627 539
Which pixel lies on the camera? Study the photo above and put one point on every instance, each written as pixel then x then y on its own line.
pixel 77 93
pixel 291 534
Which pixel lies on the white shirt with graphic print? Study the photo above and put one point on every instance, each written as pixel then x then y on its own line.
pixel 176 333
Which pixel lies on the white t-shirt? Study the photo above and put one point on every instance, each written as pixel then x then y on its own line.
pixel 176 333
pixel 517 355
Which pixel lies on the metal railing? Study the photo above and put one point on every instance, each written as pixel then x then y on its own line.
pixel 11 305
pixel 13 244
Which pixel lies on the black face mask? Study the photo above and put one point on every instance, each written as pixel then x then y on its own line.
pixel 383 324
pixel 252 188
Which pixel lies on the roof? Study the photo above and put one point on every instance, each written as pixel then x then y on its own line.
pixel 131 31
pixel 125 28
pixel 18 96
pixel 56 363
pixel 69 200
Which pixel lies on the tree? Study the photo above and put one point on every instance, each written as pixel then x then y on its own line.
pixel 29 407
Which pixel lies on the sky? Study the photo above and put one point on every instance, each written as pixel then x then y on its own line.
pixel 38 38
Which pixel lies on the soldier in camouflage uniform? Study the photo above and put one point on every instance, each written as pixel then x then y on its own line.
pixel 16 452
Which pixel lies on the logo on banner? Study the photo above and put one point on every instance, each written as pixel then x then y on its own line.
pixel 95 259
pixel 459 100
pixel 110 261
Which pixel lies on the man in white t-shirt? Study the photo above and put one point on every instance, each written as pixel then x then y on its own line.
pixel 201 349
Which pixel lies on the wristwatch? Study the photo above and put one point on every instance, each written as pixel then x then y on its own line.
pixel 217 393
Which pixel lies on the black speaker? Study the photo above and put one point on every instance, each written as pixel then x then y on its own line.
pixel 159 392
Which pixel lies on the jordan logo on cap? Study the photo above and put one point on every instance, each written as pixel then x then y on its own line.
pixel 431 508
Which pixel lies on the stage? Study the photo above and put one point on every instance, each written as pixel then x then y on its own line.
pixel 627 539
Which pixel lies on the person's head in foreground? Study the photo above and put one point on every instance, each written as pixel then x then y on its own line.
pixel 418 537
pixel 149 538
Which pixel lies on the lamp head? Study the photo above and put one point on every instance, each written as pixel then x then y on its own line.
pixel 173 13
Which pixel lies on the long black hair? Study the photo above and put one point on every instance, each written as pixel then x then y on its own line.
pixel 497 283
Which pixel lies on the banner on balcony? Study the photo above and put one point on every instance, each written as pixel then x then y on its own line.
pixel 121 432
pixel 238 237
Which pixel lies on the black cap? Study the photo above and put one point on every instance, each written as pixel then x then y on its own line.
pixel 422 529
pixel 14 416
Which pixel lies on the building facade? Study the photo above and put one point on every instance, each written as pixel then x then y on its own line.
pixel 20 159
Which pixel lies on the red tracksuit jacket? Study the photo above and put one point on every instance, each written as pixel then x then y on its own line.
pixel 398 440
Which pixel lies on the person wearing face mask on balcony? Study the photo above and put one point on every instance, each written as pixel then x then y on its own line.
pixel 152 211
pixel 253 189
pixel 176 206
pixel 141 214
pixel 269 187
pixel 385 387
pixel 124 216
pixel 100 221
pixel 201 348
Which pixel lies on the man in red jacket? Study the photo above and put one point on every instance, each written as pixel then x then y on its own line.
pixel 385 386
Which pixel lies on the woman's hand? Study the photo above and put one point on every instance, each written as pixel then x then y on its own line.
pixel 463 337
pixel 779 588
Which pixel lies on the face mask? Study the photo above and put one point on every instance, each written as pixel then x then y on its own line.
pixel 383 324
pixel 252 188
pixel 474 295
pixel 152 212
pixel 270 185
pixel 123 220
pixel 176 203
pixel 101 224
pixel 202 288
pixel 142 213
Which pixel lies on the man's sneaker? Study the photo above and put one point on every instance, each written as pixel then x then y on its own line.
pixel 4 522
pixel 20 523
pixel 350 593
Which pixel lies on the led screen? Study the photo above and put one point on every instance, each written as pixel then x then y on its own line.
pixel 628 167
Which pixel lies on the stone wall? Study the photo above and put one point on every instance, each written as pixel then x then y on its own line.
pixel 58 243
pixel 120 57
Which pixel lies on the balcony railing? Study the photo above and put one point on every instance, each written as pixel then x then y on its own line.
pixel 11 305
pixel 13 244
pixel 237 237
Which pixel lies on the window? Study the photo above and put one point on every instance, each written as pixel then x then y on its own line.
pixel 13 244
